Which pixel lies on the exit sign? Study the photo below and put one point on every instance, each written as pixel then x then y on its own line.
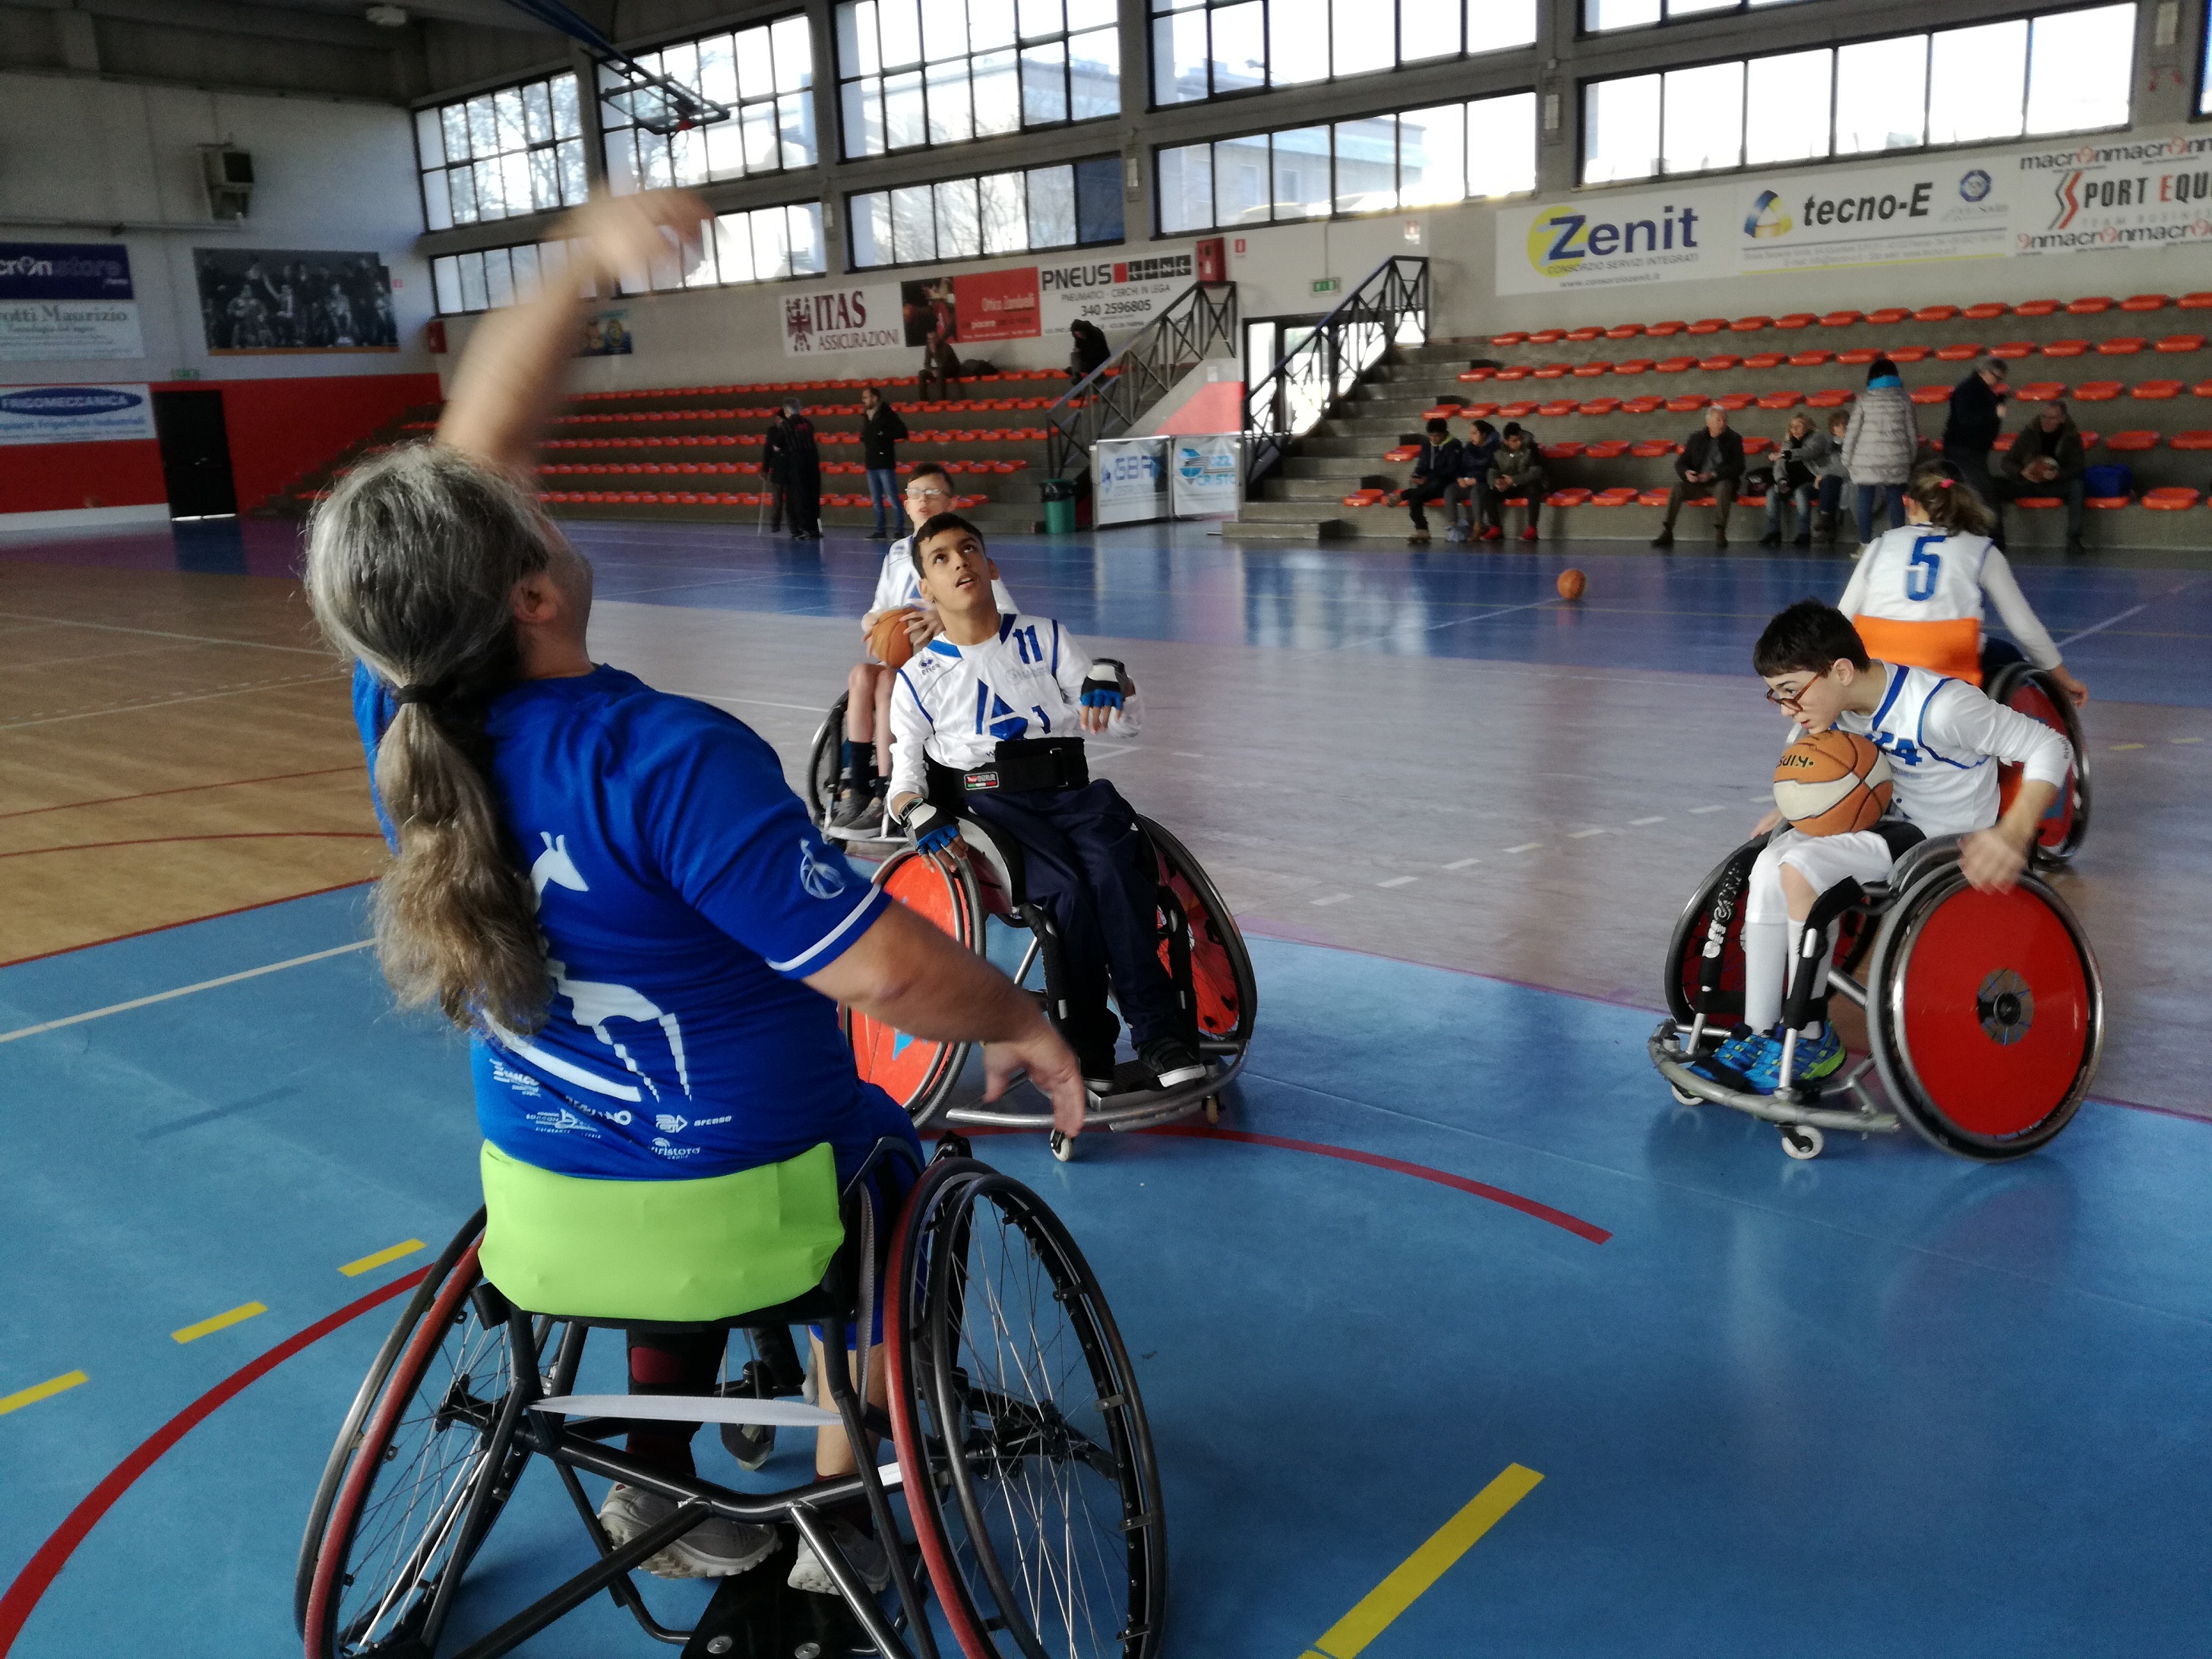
pixel 1326 285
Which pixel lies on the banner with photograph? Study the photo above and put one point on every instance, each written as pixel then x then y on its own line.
pixel 606 334
pixel 64 300
pixel 76 414
pixel 270 302
pixel 1128 480
pixel 2149 192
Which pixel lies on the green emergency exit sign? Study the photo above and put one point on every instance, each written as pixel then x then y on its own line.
pixel 1326 285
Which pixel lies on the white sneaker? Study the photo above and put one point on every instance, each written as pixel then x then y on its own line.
pixel 716 1548
pixel 863 1551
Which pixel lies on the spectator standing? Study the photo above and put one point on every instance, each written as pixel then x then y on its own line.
pixel 881 434
pixel 940 367
pixel 1797 465
pixel 2047 457
pixel 1434 468
pixel 1712 459
pixel 1834 475
pixel 1471 490
pixel 1880 445
pixel 1091 349
pixel 1971 428
pixel 775 468
pixel 1517 469
pixel 802 474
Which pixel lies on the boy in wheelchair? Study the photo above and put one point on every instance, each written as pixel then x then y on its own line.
pixel 988 720
pixel 1941 737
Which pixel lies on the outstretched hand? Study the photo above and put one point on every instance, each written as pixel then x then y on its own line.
pixel 1050 1064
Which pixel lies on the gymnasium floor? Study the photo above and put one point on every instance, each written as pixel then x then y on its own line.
pixel 1884 1403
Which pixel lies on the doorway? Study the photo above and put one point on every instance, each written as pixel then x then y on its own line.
pixel 195 454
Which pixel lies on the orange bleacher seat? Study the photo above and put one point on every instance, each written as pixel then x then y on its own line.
pixel 1478 411
pixel 1519 411
pixel 2098 392
pixel 1662 331
pixel 2131 443
pixel 1797 319
pixel 1365 497
pixel 2202 388
pixel 2173 498
pixel 2198 439
pixel 1585 334
pixel 1547 337
pixel 2013 350
pixel 2156 390
pixel 1592 369
pixel 1766 359
pixel 1833 399
pixel 1687 404
pixel 1557 408
pixel 1757 446
pixel 2180 342
pixel 2090 305
pixel 1719 363
pixel 1932 394
pixel 1781 400
pixel 1675 365
pixel 1600 406
pixel 1633 366
pixel 1733 401
pixel 1710 325
pixel 1623 331
pixel 1521 372
pixel 2108 502
pixel 2064 348
pixel 2145 302
pixel 1566 497
pixel 2124 345
pixel 1476 373
pixel 1612 449
pixel 1618 495
pixel 2039 503
pixel 1650 449
pixel 1840 318
pixel 1934 313
pixel 1402 452
pixel 1553 371
pixel 1513 339
pixel 1907 354
pixel 1645 405
pixel 1652 498
pixel 1858 356
pixel 1561 451
pixel 2200 301
pixel 1810 359
pixel 1750 324
pixel 2035 308
pixel 1444 411
pixel 1889 316
pixel 2039 392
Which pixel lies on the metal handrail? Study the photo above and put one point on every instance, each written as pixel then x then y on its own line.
pixel 1108 400
pixel 1389 308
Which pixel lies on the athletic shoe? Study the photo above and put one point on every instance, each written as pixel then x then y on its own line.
pixel 1171 1061
pixel 1529 534
pixel 1771 538
pixel 1816 1058
pixel 1418 539
pixel 2074 545
pixel 1456 532
pixel 1493 533
pixel 716 1548
pixel 1720 538
pixel 1665 538
pixel 863 1551
pixel 851 807
pixel 1804 539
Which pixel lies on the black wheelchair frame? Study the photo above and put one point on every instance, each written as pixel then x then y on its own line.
pixel 824 761
pixel 962 1434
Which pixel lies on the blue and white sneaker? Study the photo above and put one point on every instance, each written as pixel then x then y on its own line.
pixel 1816 1058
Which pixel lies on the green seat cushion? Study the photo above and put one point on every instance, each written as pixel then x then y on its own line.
pixel 670 1251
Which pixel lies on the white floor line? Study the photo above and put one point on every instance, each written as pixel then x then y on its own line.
pixel 1525 847
pixel 1584 835
pixel 164 633
pixel 1333 898
pixel 1637 823
pixel 160 702
pixel 186 990
pixel 1462 864
pixel 2132 610
pixel 1455 622
pixel 817 709
pixel 1398 881
pixel 1695 811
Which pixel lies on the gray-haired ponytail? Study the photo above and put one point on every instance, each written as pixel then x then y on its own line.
pixel 410 566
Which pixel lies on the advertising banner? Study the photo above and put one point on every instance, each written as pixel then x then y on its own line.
pixel 2153 191
pixel 1206 474
pixel 1128 480
pixel 1120 295
pixel 62 300
pixel 75 414
pixel 284 302
pixel 842 319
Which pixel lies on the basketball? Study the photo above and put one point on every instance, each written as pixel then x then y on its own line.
pixel 1832 783
pixel 888 638
pixel 1571 584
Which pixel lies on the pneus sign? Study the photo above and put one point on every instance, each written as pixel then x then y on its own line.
pixel 2149 192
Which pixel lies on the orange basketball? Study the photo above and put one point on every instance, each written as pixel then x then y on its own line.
pixel 1832 783
pixel 1571 584
pixel 888 638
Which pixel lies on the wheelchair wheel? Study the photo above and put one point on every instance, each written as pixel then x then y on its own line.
pixel 1223 987
pixel 2033 692
pixel 825 760
pixel 391 1523
pixel 916 1072
pixel 1986 1014
pixel 1686 950
pixel 1044 1533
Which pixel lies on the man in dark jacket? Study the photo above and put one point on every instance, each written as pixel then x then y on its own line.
pixel 1971 429
pixel 1471 488
pixel 881 434
pixel 1517 469
pixel 940 367
pixel 1091 349
pixel 1711 460
pixel 2047 457
pixel 775 468
pixel 1434 470
pixel 802 474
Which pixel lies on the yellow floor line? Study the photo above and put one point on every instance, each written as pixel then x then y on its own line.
pixel 1350 1634
pixel 220 1322
pixel 370 1263
pixel 38 1391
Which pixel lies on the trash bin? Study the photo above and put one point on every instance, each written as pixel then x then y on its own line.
pixel 1059 506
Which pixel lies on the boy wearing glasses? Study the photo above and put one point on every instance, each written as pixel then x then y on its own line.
pixel 865 777
pixel 1941 737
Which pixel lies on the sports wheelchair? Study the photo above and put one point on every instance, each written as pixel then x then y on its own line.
pixel 1025 1470
pixel 2031 691
pixel 824 761
pixel 1199 944
pixel 1984 1012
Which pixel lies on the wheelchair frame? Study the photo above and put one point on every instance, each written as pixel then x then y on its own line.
pixel 1893 912
pixel 823 764
pixel 538 1416
pixel 2001 686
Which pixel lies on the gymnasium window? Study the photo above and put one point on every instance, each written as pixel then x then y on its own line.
pixel 1215 48
pixel 1069 206
pixel 1603 17
pixel 947 71
pixel 496 276
pixel 2066 71
pixel 499 154
pixel 767 244
pixel 2204 70
pixel 1377 164
pixel 762 75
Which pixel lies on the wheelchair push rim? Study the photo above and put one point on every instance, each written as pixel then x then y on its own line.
pixel 1990 1018
pixel 825 760
pixel 2033 692
pixel 918 1072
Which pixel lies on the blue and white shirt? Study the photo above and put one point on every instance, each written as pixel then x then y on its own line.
pixel 683 896
pixel 1941 736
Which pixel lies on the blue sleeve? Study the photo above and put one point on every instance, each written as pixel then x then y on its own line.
pixel 737 846
pixel 372 712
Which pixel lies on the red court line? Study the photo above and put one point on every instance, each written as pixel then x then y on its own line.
pixel 39 1572
pixel 182 789
pixel 230 835
pixel 167 927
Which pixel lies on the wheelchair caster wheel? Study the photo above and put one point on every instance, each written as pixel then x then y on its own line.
pixel 1683 1096
pixel 1213 1109
pixel 1062 1147
pixel 1802 1141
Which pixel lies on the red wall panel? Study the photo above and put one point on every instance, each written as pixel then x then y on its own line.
pixel 281 429
pixel 62 478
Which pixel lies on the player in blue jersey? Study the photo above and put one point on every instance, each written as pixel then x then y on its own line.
pixel 610 888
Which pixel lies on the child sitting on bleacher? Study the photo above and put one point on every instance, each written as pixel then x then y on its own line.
pixel 1517 469
pixel 1434 470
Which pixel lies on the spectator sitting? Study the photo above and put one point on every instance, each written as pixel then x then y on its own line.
pixel 1882 445
pixel 1517 469
pixel 1834 475
pixel 1091 349
pixel 1797 466
pixel 940 366
pixel 1471 490
pixel 1713 458
pixel 1970 432
pixel 2047 457
pixel 1434 468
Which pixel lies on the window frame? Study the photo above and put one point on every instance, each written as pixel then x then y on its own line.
pixel 1218 228
pixel 855 269
pixel 1741 8
pixel 609 130
pixel 435 112
pixel 1855 158
pixel 1269 86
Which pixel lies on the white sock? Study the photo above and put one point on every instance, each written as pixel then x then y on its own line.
pixel 1766 961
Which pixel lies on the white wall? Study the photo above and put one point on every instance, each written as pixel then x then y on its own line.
pixel 329 175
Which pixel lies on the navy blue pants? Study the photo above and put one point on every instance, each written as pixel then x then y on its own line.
pixel 1083 865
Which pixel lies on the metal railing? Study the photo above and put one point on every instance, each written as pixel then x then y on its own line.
pixel 1107 401
pixel 1389 308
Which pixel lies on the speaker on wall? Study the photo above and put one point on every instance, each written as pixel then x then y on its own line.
pixel 227 174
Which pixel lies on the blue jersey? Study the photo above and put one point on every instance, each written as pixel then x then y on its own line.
pixel 683 894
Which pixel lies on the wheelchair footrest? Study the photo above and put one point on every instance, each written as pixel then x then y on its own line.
pixel 687 1409
pixel 756 1614
pixel 1863 1117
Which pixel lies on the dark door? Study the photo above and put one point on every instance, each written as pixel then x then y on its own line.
pixel 195 454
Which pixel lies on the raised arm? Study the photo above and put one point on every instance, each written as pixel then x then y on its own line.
pixel 2019 617
pixel 517 362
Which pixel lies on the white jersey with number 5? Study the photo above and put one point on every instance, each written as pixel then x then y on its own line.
pixel 1915 596
pixel 1943 738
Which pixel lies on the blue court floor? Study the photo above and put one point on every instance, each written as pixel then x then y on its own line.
pixel 1886 1403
